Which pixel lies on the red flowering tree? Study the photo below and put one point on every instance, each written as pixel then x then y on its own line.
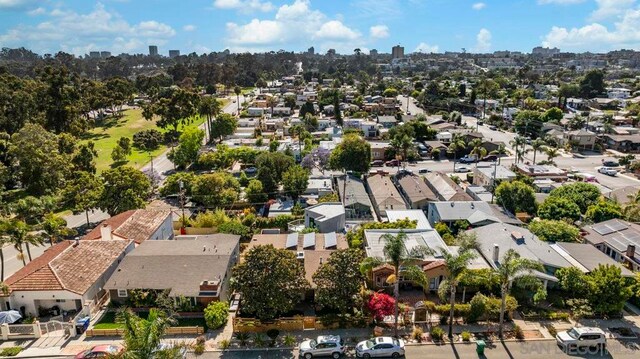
pixel 381 305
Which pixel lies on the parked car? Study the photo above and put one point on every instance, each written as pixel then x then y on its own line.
pixel 608 171
pixel 392 163
pixel 463 169
pixel 467 159
pixel 424 170
pixel 584 337
pixel 489 158
pixel 380 347
pixel 610 163
pixel 493 128
pixel 324 346
pixel 100 351
pixel 250 170
pixel 377 163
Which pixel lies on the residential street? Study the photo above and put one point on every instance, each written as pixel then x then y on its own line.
pixel 510 350
pixel 11 262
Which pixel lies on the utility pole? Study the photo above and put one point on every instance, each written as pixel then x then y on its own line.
pixel 182 200
pixel 493 180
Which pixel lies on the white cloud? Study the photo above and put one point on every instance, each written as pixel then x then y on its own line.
pixel 37 11
pixel 426 48
pixel 16 4
pixel 478 6
pixel 560 2
pixel 100 29
pixel 379 31
pixel 483 41
pixel 189 28
pixel 608 9
pixel 245 6
pixel 624 33
pixel 295 24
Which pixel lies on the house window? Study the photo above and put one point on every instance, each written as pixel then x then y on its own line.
pixel 60 300
pixel 122 293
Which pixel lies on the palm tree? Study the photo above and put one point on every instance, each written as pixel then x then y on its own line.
pixel 631 210
pixel 512 266
pixel 56 227
pixel 457 144
pixel 537 145
pixel 501 150
pixel 551 153
pixel 456 265
pixel 209 107
pixel 402 143
pixel 397 255
pixel 272 101
pixel 517 142
pixel 477 149
pixel 18 232
pixel 238 90
pixel 142 336
pixel 3 240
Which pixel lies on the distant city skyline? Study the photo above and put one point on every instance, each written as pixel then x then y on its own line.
pixel 117 26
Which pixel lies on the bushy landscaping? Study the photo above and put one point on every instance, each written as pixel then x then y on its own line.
pixel 109 321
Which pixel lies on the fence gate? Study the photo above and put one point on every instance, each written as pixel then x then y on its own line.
pixel 309 323
pixel 55 328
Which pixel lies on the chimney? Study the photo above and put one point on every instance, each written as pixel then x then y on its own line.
pixel 105 232
pixel 496 253
pixel 517 236
pixel 631 251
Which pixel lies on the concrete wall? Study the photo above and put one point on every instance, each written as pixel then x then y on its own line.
pixel 28 300
pixel 165 231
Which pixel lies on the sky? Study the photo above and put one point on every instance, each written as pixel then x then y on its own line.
pixel 80 26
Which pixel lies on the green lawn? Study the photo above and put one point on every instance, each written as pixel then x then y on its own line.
pixel 108 321
pixel 106 135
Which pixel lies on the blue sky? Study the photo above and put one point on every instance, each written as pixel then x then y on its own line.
pixel 80 26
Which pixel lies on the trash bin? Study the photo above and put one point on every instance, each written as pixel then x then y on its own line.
pixel 480 344
pixel 82 324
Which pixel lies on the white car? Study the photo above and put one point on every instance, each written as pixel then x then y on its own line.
pixel 462 169
pixel 324 346
pixel 608 171
pixel 584 337
pixel 380 347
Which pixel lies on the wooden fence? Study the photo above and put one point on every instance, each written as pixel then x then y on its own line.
pixel 252 325
pixel 170 331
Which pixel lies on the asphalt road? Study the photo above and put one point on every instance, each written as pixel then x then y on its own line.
pixel 509 350
pixel 11 262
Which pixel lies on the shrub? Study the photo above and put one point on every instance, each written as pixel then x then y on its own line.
pixel 417 334
pixel 243 338
pixel 147 140
pixel 466 336
pixel 558 316
pixel 552 330
pixel 477 308
pixel 273 335
pixel 259 340
pixel 10 351
pixel 215 314
pixel 437 334
pixel 518 333
pixel 198 347
pixel 224 344
pixel 289 340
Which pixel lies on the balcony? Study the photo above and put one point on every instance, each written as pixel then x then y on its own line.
pixel 296 226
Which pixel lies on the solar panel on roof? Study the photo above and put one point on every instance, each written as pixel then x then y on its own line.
pixel 617 226
pixel 292 240
pixel 330 240
pixel 309 240
pixel 603 229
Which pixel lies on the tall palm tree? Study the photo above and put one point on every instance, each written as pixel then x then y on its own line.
pixel 517 142
pixel 477 149
pixel 272 101
pixel 18 232
pixel 402 144
pixel 142 336
pixel 551 153
pixel 537 145
pixel 238 90
pixel 209 108
pixel 512 266
pixel 457 144
pixel 456 265
pixel 501 150
pixel 397 255
pixel 3 240
pixel 56 227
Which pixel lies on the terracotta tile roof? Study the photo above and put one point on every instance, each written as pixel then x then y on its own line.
pixel 433 265
pixel 67 266
pixel 137 225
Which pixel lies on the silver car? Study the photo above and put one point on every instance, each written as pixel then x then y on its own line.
pixel 324 346
pixel 380 347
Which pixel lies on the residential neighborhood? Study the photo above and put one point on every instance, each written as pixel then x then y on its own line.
pixel 266 204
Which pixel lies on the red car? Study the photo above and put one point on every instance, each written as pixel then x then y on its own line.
pixel 100 351
pixel 392 163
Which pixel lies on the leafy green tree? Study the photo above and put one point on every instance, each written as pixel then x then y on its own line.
pixel 528 123
pixel 42 168
pixel 581 193
pixel 338 280
pixel 390 92
pixel 125 188
pixel 592 84
pixel 295 181
pixel 573 282
pixel 142 337
pixel 516 196
pixel 307 108
pixel 56 228
pixel 174 106
pixel 215 189
pixel 602 211
pixel 19 235
pixel 559 208
pixel 215 314
pixel 84 159
pixel 255 193
pixel 224 125
pixel 172 183
pixel 188 146
pixel 512 266
pixel 271 167
pixel 553 114
pixel 608 289
pixel 270 280
pixel 352 154
pixel 555 231
pixel 147 140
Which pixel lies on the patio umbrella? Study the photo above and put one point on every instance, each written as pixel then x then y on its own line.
pixel 9 316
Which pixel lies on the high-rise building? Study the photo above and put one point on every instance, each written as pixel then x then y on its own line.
pixel 545 51
pixel 174 53
pixel 311 51
pixel 373 52
pixel 153 50
pixel 94 54
pixel 105 54
pixel 397 52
